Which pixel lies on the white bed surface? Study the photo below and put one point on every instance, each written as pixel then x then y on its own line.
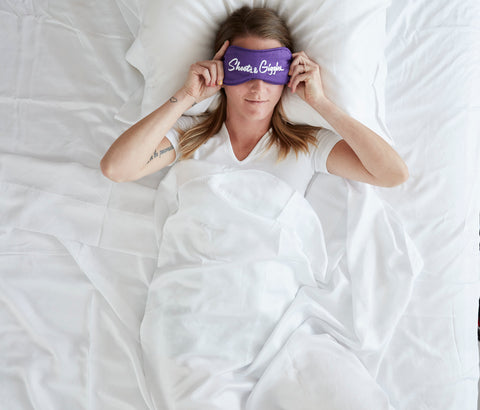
pixel 78 252
pixel 433 111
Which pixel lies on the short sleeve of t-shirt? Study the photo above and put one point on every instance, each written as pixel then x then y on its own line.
pixel 183 123
pixel 326 141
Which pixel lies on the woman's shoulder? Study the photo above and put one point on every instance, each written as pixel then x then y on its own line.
pixel 326 140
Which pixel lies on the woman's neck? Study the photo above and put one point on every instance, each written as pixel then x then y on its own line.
pixel 246 132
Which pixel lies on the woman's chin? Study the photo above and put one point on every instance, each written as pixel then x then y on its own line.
pixel 257 110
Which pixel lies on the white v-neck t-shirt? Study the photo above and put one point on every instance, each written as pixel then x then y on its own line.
pixel 295 172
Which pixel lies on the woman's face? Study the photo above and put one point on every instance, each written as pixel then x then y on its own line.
pixel 254 99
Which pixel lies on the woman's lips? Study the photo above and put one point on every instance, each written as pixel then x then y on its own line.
pixel 256 101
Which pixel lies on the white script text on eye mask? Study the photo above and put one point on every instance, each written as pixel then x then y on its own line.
pixel 234 65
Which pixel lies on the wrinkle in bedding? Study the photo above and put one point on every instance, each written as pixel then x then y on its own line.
pixel 240 276
pixel 59 120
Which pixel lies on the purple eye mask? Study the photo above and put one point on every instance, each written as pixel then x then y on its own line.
pixel 242 64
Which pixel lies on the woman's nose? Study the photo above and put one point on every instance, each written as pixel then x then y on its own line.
pixel 257 84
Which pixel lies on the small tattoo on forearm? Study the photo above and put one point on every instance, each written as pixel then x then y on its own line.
pixel 173 100
pixel 158 154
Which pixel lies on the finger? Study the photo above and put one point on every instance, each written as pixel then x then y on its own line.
pixel 302 58
pixel 203 72
pixel 213 74
pixel 211 66
pixel 220 73
pixel 221 52
pixel 299 61
pixel 297 80
pixel 300 53
pixel 298 69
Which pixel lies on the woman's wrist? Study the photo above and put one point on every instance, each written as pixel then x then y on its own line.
pixel 183 98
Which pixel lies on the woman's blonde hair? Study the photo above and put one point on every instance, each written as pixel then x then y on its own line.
pixel 264 23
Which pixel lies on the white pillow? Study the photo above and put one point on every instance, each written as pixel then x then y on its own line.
pixel 345 37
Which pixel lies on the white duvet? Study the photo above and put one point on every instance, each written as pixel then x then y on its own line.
pixel 242 312
pixel 77 251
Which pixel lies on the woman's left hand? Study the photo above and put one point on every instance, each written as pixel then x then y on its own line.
pixel 305 79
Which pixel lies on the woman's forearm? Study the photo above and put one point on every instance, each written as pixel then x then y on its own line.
pixel 376 155
pixel 131 151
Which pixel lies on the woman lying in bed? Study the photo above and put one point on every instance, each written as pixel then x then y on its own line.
pixel 251 69
pixel 241 284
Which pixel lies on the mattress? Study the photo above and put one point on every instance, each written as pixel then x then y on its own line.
pixel 78 252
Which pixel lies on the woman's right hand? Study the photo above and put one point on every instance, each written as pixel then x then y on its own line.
pixel 205 78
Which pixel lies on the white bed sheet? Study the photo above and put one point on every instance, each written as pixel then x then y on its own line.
pixel 78 251
pixel 432 86
pixel 262 298
pixel 433 111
